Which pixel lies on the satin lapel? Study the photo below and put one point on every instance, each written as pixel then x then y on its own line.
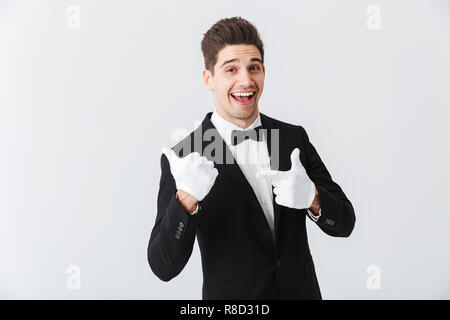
pixel 278 158
pixel 234 172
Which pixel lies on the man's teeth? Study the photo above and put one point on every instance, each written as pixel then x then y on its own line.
pixel 242 94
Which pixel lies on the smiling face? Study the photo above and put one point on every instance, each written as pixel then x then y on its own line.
pixel 237 83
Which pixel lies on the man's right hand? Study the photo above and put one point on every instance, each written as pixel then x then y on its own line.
pixel 194 174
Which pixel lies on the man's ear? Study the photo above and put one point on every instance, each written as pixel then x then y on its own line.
pixel 207 79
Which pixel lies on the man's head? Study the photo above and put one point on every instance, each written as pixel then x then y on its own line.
pixel 234 68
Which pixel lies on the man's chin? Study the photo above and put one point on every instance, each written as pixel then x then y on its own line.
pixel 243 112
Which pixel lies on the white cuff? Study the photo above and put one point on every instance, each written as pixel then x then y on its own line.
pixel 196 209
pixel 313 216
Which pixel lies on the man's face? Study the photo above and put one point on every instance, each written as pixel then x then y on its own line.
pixel 238 72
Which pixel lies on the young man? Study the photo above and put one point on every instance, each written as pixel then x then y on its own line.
pixel 248 215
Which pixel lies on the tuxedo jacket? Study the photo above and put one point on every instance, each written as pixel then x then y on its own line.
pixel 241 258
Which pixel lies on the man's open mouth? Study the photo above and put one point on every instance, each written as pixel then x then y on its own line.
pixel 243 98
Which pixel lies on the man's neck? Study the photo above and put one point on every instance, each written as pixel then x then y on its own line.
pixel 242 123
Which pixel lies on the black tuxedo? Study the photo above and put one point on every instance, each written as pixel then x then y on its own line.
pixel 240 257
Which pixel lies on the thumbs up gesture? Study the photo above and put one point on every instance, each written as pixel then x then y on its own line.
pixel 293 188
pixel 194 174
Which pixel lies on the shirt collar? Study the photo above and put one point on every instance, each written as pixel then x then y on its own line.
pixel 225 127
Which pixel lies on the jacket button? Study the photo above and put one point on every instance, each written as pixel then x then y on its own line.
pixel 278 263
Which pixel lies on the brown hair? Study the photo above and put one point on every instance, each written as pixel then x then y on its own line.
pixel 225 32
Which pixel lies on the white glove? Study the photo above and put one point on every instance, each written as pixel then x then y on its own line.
pixel 293 188
pixel 194 174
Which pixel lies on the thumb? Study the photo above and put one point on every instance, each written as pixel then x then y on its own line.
pixel 170 154
pixel 295 159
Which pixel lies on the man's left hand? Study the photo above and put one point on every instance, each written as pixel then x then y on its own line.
pixel 293 188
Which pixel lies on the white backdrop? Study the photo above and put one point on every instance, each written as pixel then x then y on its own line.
pixel 91 90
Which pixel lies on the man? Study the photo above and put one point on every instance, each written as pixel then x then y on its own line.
pixel 247 198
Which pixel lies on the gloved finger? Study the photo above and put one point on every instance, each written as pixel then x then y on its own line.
pixel 215 173
pixel 170 154
pixel 209 164
pixel 280 182
pixel 205 162
pixel 278 191
pixel 283 201
pixel 280 200
pixel 204 159
pixel 281 178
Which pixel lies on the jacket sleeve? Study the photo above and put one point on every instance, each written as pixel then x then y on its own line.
pixel 173 235
pixel 337 217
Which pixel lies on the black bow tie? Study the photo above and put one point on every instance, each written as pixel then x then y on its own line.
pixel 237 136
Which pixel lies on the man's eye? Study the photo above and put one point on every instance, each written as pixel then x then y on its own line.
pixel 255 67
pixel 230 69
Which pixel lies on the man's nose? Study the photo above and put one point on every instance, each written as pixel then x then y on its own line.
pixel 245 78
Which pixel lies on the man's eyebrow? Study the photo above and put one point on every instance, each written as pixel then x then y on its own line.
pixel 233 60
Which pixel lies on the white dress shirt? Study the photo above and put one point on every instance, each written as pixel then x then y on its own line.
pixel 252 156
